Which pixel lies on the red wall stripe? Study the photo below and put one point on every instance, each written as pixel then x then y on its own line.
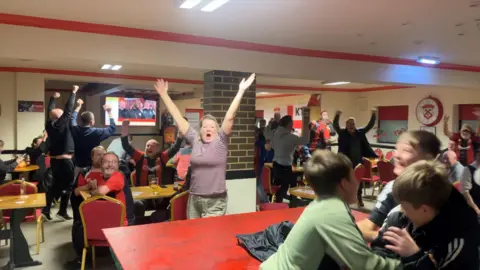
pixel 465 111
pixel 196 82
pixel 112 30
pixel 393 113
pixel 259 113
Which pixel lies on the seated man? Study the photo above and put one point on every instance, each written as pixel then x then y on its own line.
pixel 455 169
pixel 7 166
pixel 301 154
pixel 325 236
pixel 436 228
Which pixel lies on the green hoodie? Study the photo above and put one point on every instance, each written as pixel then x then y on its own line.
pixel 326 227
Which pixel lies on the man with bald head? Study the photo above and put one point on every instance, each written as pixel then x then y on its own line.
pixel 455 168
pixel 61 149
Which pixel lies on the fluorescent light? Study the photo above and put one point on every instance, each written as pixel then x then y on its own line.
pixel 116 67
pixel 214 5
pixel 262 93
pixel 190 3
pixel 336 83
pixel 428 60
pixel 106 66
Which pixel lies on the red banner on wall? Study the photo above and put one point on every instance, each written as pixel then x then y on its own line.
pixel 30 106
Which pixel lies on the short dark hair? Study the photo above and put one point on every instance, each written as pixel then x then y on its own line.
pixel 423 141
pixel 284 121
pixel 1 143
pixel 35 140
pixel 425 182
pixel 86 117
pixel 325 170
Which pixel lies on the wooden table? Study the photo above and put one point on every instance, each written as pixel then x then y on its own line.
pixel 303 192
pixel 19 251
pixel 295 169
pixel 28 168
pixel 144 193
pixel 206 243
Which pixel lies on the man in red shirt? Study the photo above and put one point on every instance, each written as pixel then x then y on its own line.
pixel 465 141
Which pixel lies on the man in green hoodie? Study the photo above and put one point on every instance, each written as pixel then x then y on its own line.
pixel 325 236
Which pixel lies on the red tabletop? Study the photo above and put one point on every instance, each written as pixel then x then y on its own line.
pixel 207 243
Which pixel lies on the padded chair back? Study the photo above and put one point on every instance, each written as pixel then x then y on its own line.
pixel 368 168
pixel 456 184
pixel 379 152
pixel 359 172
pixel 98 213
pixel 178 206
pixel 385 171
pixel 266 179
pixel 389 155
pixel 12 188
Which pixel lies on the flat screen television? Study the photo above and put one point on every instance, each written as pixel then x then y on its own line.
pixel 139 111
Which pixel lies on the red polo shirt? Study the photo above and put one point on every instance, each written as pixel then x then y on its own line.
pixel 115 184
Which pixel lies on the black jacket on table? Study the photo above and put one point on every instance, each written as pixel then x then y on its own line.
pixel 6 167
pixel 451 238
pixel 344 138
pixel 59 131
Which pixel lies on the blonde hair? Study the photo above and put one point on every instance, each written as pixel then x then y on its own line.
pixel 97 148
pixel 208 117
pixel 423 183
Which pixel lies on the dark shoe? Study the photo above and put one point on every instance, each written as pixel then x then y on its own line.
pixel 77 264
pixel 63 217
pixel 360 203
pixel 46 216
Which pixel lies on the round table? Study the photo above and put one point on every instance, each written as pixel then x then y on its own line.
pixel 303 192
pixel 28 168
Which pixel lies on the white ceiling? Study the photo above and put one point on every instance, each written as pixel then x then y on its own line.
pixel 449 29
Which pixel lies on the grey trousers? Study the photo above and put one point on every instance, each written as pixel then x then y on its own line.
pixel 200 207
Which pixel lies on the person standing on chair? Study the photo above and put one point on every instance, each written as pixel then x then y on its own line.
pixel 353 143
pixel 60 148
pixel 464 141
pixel 208 162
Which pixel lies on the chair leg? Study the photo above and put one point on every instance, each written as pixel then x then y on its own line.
pixel 6 228
pixel 39 230
pixel 373 188
pixel 43 232
pixel 93 258
pixel 84 257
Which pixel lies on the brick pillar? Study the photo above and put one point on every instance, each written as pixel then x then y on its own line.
pixel 220 87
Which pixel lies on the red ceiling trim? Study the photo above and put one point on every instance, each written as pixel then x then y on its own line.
pixel 112 30
pixel 277 96
pixel 196 82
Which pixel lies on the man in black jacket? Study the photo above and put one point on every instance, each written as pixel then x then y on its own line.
pixel 7 166
pixel 436 228
pixel 353 142
pixel 61 149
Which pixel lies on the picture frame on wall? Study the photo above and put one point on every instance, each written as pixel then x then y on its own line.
pixel 429 129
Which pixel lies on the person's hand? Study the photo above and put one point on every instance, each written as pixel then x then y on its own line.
pixel 244 84
pixel 338 112
pixel 125 125
pixel 20 159
pixel 145 168
pixel 56 95
pixel 75 89
pixel 92 183
pixel 131 161
pixel 374 110
pixel 79 102
pixel 162 87
pixel 446 118
pixel 401 242
pixel 107 108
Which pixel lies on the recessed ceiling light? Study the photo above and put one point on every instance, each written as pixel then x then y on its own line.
pixel 428 60
pixel 262 93
pixel 214 4
pixel 190 3
pixel 116 67
pixel 106 66
pixel 336 83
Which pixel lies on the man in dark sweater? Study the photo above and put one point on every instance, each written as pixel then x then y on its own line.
pixel 7 166
pixel 353 142
pixel 60 148
pixel 86 137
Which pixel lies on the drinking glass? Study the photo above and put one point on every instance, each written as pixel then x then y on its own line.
pixel 152 182
pixel 23 187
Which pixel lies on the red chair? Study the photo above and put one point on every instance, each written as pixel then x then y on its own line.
pixel 13 188
pixel 368 176
pixel 385 172
pixel 270 206
pixel 98 213
pixel 359 172
pixel 267 182
pixel 379 152
pixel 389 155
pixel 456 185
pixel 178 206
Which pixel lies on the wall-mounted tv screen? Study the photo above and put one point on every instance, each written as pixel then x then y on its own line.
pixel 139 111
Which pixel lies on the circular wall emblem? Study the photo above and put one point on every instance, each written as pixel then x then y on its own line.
pixel 429 111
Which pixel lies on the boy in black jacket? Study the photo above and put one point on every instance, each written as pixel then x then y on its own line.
pixel 436 228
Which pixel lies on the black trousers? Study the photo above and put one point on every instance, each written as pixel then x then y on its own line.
pixel 63 179
pixel 360 187
pixel 285 178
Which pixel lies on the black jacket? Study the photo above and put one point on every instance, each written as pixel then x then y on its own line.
pixel 59 131
pixel 344 138
pixel 262 245
pixel 451 238
pixel 6 167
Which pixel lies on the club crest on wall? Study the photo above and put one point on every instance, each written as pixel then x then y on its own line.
pixel 429 111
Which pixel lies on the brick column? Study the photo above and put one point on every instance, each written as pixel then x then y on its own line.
pixel 220 87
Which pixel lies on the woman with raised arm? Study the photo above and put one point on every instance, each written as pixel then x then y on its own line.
pixel 208 162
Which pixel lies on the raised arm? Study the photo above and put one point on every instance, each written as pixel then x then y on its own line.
pixel 466 186
pixel 371 123
pixel 232 110
pixel 336 120
pixel 104 133
pixel 67 113
pixel 51 102
pixel 446 131
pixel 76 111
pixel 332 130
pixel 170 152
pixel 162 89
pixel 134 153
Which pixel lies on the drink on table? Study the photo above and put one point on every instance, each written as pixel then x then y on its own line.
pixel 23 187
pixel 153 183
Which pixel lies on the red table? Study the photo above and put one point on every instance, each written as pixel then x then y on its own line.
pixel 207 243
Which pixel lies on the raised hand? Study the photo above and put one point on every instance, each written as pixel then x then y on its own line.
pixel 107 108
pixel 79 102
pixel 19 159
pixel 244 84
pixel 374 110
pixel 162 87
pixel 75 89
pixel 446 118
pixel 56 95
pixel 125 125
pixel 338 112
